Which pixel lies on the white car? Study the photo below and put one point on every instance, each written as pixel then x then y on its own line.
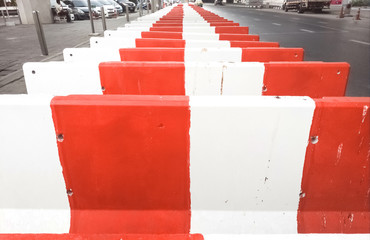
pixel 109 10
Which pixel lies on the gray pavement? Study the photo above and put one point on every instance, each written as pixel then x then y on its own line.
pixel 19 44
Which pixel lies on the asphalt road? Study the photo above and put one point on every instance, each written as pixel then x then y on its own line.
pixel 324 37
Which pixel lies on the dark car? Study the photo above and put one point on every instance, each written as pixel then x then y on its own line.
pixel 123 3
pixel 144 4
pixel 78 12
pixel 81 7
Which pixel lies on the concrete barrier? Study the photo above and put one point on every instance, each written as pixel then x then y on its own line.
pixel 161 167
pixel 315 79
pixel 91 54
pixel 182 54
pixel 226 29
pixel 101 236
pixel 179 35
pixel 157 164
pixel 102 42
pixel 163 23
pixel 212 54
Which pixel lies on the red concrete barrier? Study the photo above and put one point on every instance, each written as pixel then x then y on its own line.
pixel 335 182
pixel 101 236
pixel 262 54
pixel 247 44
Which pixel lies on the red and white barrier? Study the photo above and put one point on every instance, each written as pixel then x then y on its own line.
pixel 101 236
pixel 183 54
pixel 181 35
pixel 161 167
pixel 315 79
pixel 161 164
pixel 102 42
pixel 212 54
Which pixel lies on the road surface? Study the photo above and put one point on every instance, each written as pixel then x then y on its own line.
pixel 324 37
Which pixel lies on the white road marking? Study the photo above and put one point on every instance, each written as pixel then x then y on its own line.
pixel 277 24
pixel 295 18
pixel 305 30
pixel 256 19
pixel 361 42
pixel 322 22
pixel 336 29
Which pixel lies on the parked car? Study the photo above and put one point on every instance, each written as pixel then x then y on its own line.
pixel 218 2
pixel 123 3
pixel 118 7
pixel 109 9
pixel 82 6
pixel 64 6
pixel 80 13
pixel 144 3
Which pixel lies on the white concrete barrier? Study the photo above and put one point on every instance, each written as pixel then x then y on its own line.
pixel 91 54
pixel 33 198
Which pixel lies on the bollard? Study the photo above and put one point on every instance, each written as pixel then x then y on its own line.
pixel 127 13
pixel 103 18
pixel 358 15
pixel 341 14
pixel 153 6
pixel 40 33
pixel 91 18
pixel 147 6
pixel 141 8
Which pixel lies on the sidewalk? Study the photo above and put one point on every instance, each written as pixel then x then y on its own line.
pixel 20 44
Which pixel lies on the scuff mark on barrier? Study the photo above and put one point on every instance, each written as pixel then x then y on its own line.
pixel 139 86
pixel 324 221
pixel 222 79
pixel 339 154
pixel 364 112
pixel 350 217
